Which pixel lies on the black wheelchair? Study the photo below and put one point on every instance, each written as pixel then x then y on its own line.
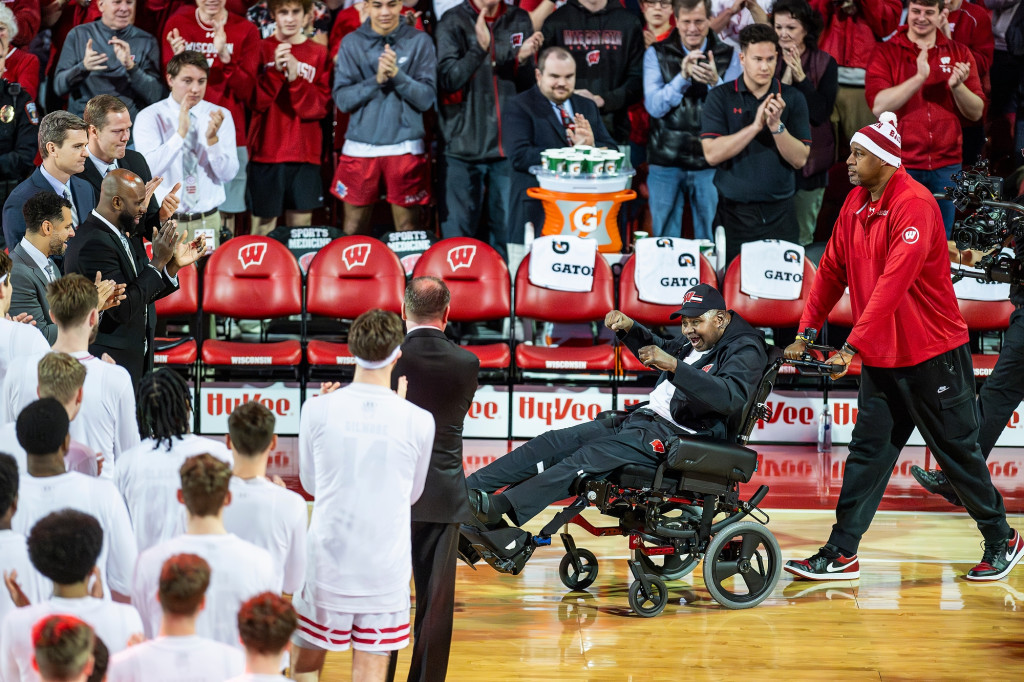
pixel 668 513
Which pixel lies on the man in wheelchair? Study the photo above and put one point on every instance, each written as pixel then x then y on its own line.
pixel 708 376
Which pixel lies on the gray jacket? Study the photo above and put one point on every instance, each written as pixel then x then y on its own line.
pixel 137 88
pixel 392 112
pixel 29 284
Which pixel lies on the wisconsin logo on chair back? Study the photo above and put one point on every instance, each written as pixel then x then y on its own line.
pixel 355 256
pixel 252 254
pixel 461 256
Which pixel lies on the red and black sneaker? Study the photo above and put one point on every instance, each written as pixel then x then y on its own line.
pixel 999 559
pixel 828 564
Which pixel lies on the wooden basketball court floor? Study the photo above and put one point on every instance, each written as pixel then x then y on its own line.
pixel 910 616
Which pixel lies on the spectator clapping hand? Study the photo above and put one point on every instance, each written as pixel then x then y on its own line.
pixel 93 60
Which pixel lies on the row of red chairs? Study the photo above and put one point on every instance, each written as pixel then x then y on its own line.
pixel 257 278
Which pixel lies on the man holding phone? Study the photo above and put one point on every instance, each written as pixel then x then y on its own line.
pixel 678 74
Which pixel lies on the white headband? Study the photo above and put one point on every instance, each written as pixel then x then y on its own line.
pixel 4 279
pixel 381 364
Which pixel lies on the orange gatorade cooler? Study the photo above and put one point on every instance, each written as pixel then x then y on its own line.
pixel 583 202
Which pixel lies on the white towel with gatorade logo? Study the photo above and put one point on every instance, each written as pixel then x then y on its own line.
pixel 971 289
pixel 563 262
pixel 772 268
pixel 666 267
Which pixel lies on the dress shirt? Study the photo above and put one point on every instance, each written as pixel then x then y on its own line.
pixel 58 186
pixel 37 256
pixel 157 138
pixel 102 166
pixel 567 105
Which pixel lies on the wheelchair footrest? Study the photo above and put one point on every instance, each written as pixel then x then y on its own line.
pixel 506 549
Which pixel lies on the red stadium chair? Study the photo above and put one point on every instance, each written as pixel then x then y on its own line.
pixel 183 304
pixel 842 316
pixel 650 314
pixel 479 281
pixel 536 303
pixel 766 312
pixel 985 316
pixel 346 278
pixel 252 278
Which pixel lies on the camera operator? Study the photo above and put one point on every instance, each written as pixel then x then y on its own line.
pixel 1002 391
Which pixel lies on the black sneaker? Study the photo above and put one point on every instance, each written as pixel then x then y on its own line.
pixel 999 559
pixel 936 483
pixel 828 564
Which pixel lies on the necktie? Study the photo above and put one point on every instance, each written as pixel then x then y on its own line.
pixel 74 209
pixel 128 250
pixel 190 166
pixel 566 123
pixel 51 270
pixel 109 168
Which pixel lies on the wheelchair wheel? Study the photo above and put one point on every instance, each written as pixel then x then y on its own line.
pixel 742 565
pixel 648 608
pixel 671 567
pixel 578 580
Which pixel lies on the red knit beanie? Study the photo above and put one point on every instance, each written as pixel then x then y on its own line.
pixel 881 139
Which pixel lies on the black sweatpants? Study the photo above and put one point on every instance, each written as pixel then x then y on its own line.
pixel 751 221
pixel 548 464
pixel 1004 388
pixel 936 396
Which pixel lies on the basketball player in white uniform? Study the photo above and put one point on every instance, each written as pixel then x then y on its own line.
pixel 364 453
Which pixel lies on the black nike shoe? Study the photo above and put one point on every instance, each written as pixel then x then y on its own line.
pixel 828 564
pixel 999 559
pixel 935 482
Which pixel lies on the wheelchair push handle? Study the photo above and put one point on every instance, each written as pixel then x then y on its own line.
pixel 810 365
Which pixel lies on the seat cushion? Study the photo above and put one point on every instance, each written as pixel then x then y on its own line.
pixel 183 353
pixel 566 358
pixel 277 354
pixel 492 355
pixel 329 353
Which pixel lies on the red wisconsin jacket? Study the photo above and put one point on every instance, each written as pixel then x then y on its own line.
pixel 929 122
pixel 894 258
pixel 850 39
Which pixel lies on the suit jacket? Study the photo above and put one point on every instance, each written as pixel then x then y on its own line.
pixel 14 219
pixel 126 331
pixel 29 292
pixel 530 127
pixel 136 163
pixel 442 380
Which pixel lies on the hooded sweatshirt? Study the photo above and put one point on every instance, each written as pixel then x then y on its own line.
pixel 608 46
pixel 712 393
pixel 389 113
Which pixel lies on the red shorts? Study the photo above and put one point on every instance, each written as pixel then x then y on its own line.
pixel 407 178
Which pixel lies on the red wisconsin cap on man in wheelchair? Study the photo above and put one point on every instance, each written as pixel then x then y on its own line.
pixel 698 300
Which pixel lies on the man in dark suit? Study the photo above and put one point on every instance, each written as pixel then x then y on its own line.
pixel 546 116
pixel 442 380
pixel 62 145
pixel 110 241
pixel 48 228
pixel 110 127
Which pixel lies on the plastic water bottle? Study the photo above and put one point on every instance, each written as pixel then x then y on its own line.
pixel 825 430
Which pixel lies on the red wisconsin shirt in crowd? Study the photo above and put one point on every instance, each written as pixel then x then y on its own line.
pixel 851 38
pixel 230 85
pixel 286 116
pixel 972 26
pixel 893 255
pixel 23 68
pixel 929 122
